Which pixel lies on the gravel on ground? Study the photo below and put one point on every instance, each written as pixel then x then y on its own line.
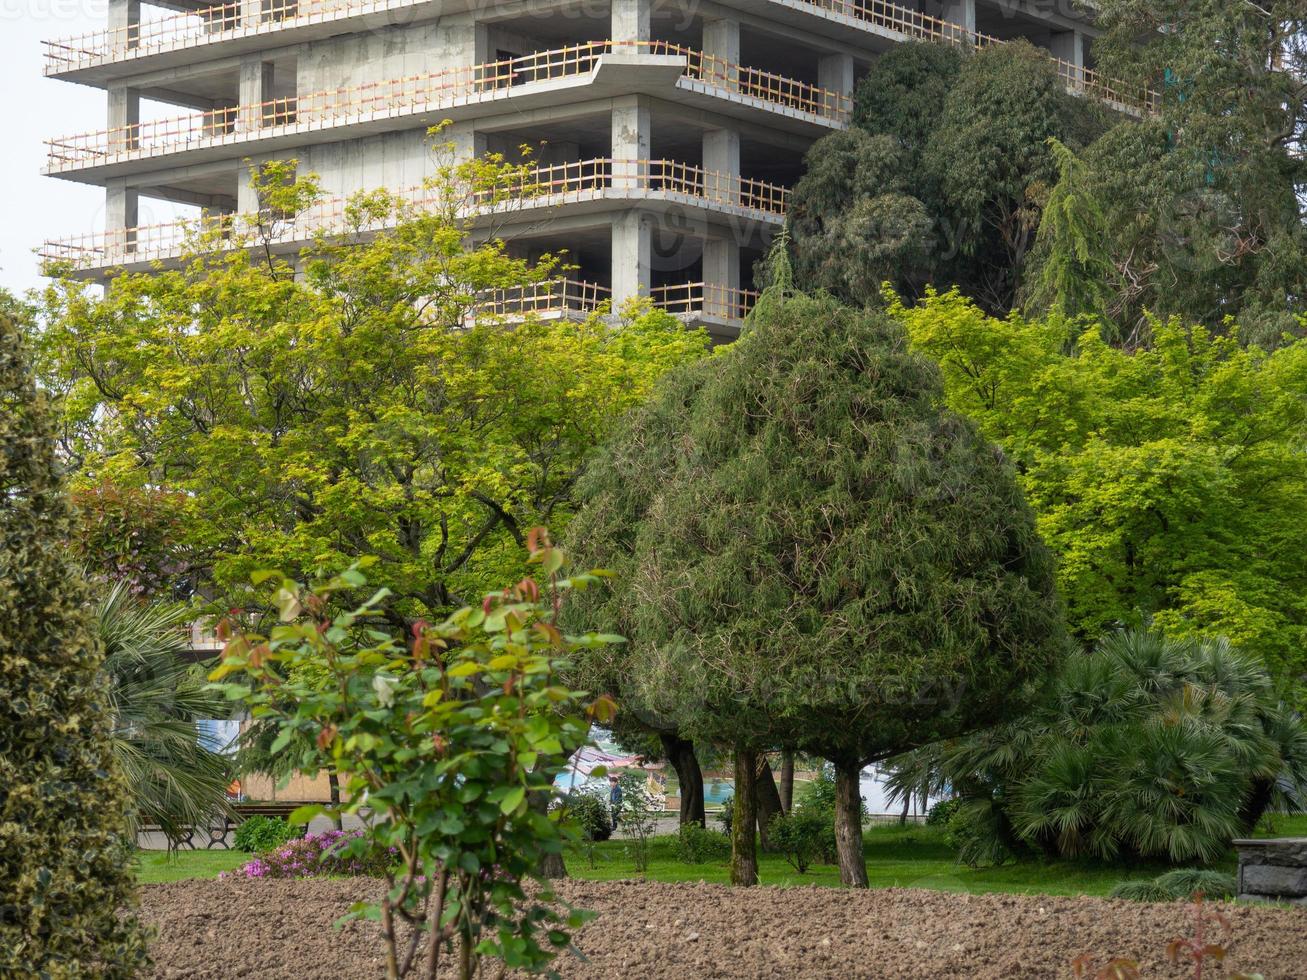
pixel 651 931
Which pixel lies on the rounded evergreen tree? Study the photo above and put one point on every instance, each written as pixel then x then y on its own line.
pixel 810 551
pixel 64 857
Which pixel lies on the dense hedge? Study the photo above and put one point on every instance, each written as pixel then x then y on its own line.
pixel 64 855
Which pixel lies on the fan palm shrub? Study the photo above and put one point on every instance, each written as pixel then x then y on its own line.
pixel 1148 746
pixel 157 698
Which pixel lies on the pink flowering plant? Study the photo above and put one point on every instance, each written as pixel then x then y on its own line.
pixel 331 853
pixel 451 738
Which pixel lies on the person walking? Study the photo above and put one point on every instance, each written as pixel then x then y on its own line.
pixel 615 798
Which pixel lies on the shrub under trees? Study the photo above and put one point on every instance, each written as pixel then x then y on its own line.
pixel 66 890
pixel 811 551
pixel 1147 747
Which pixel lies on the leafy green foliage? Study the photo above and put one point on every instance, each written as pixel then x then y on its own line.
pixel 590 814
pixel 261 833
pixel 637 818
pixel 940 813
pixel 68 898
pixel 1198 212
pixel 698 845
pixel 1165 479
pixel 351 410
pixel 1179 885
pixel 133 535
pixel 156 697
pixel 805 836
pixel 726 815
pixel 1148 746
pixel 941 179
pixel 446 739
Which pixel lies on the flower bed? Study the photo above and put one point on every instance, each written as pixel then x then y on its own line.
pixel 332 853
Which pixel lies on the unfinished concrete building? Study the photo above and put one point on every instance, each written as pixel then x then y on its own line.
pixel 668 132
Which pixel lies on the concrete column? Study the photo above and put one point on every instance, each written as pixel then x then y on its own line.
pixel 122 214
pixel 631 20
pixel 632 256
pixel 124 116
pixel 1069 46
pixel 461 42
pixel 721 275
pixel 721 163
pixel 632 241
pixel 721 38
pixel 961 13
pixel 247 201
pixel 251 13
pixel 256 81
pixel 630 140
pixel 125 22
pixel 835 75
pixel 467 143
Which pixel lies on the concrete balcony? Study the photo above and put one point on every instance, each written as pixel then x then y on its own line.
pixel 601 69
pixel 582 186
pixel 224 30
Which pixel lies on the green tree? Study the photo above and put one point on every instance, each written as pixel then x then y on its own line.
pixel 68 896
pixel 351 410
pixel 1200 208
pixel 445 739
pixel 941 179
pixel 1146 747
pixel 810 551
pixel 1165 479
pixel 156 697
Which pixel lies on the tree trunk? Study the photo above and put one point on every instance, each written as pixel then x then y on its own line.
pixel 848 824
pixel 1255 804
pixel 767 799
pixel 744 848
pixel 787 779
pixel 553 866
pixel 333 786
pixel 907 805
pixel 680 753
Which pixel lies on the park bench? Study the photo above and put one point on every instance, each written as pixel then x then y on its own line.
pixel 237 814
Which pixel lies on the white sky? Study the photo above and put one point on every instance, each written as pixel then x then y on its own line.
pixel 33 109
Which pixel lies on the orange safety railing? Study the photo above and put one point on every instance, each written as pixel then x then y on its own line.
pixel 704 299
pixel 555 298
pixel 225 21
pixel 423 93
pixel 671 177
pixel 190 28
pixel 540 186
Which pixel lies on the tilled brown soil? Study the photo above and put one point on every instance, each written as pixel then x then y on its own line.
pixel 283 929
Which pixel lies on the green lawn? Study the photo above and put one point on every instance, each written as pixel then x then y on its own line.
pixel 155 867
pixel 912 857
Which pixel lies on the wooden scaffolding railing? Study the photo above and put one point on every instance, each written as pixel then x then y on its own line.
pixel 424 93
pixel 225 21
pixel 704 299
pixel 548 186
